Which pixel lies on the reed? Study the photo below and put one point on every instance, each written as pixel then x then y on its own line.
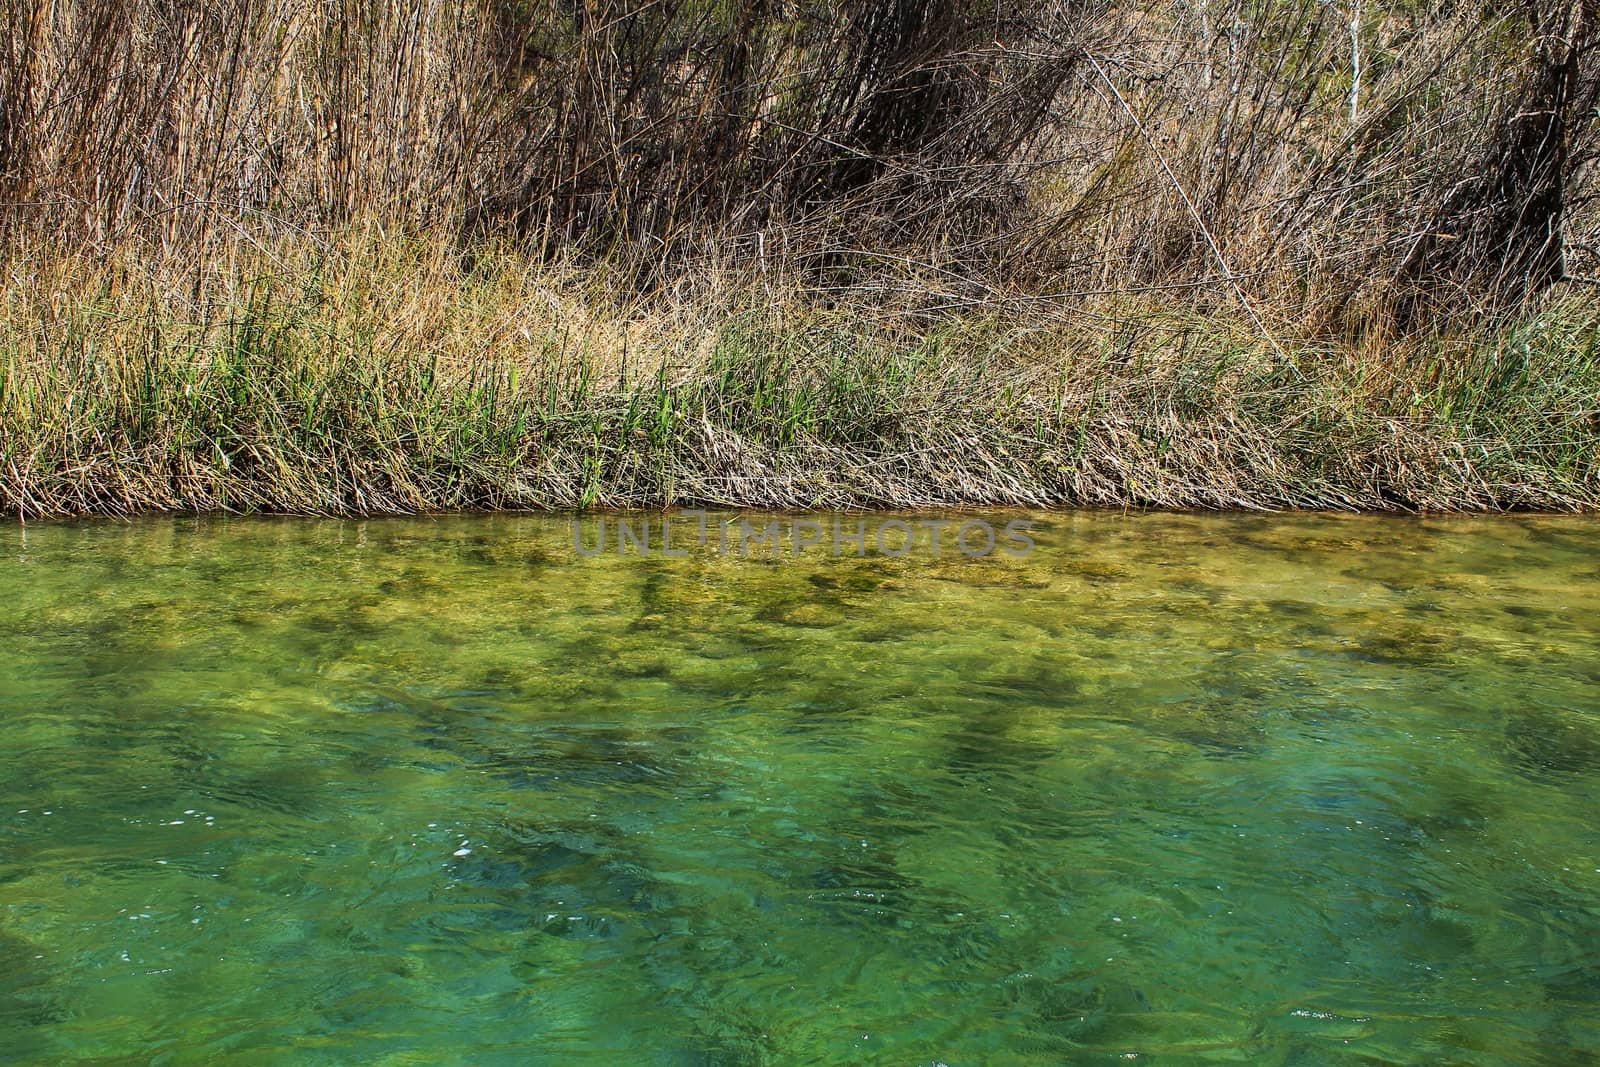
pixel 1381 161
pixel 356 257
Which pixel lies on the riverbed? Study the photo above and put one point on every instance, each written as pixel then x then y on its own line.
pixel 1154 788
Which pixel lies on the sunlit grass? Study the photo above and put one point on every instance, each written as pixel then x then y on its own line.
pixel 401 374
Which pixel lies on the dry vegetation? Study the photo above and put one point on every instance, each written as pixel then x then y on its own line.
pixel 350 256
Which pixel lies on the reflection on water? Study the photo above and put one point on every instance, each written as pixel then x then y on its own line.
pixel 1279 790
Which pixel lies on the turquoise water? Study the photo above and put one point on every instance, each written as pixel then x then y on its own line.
pixel 1267 790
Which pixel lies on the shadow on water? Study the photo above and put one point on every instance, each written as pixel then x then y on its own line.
pixel 28 988
pixel 1549 745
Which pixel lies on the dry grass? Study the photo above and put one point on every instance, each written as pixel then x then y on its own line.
pixel 1358 157
pixel 399 376
pixel 364 257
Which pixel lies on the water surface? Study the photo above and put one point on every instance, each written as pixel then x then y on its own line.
pixel 1267 790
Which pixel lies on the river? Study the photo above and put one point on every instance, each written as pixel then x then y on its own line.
pixel 1171 789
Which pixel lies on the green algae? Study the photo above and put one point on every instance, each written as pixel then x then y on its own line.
pixel 1224 789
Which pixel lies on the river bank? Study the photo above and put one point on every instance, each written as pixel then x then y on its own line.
pixel 407 378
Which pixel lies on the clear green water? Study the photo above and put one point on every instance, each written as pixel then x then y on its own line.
pixel 1293 790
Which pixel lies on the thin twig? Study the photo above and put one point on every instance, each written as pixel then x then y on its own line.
pixel 1188 202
